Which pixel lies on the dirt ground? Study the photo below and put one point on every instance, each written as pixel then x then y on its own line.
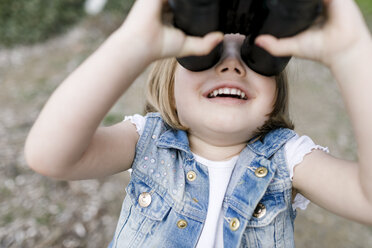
pixel 39 212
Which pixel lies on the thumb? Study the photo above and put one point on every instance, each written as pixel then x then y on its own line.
pixel 278 47
pixel 201 45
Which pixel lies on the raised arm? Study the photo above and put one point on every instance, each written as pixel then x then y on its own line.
pixel 344 44
pixel 66 141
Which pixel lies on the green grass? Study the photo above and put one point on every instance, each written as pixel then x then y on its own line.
pixel 44 219
pixel 31 21
pixel 112 118
pixel 4 192
pixel 365 6
pixel 7 218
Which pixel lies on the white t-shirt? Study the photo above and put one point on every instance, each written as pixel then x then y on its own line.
pixel 219 176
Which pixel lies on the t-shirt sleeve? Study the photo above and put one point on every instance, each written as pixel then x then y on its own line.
pixel 295 150
pixel 138 121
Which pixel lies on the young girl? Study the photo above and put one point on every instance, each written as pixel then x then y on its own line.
pixel 218 164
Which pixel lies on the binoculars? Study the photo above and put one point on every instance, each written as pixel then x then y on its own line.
pixel 280 18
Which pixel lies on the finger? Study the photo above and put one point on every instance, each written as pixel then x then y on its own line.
pixel 278 47
pixel 201 45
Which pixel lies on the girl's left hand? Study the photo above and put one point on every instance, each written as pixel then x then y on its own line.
pixel 343 30
pixel 145 27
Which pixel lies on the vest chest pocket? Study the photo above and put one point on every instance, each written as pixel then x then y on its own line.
pixel 267 226
pixel 269 207
pixel 146 210
pixel 147 201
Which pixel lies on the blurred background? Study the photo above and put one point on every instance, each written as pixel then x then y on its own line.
pixel 41 42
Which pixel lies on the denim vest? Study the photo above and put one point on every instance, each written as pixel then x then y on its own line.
pixel 167 197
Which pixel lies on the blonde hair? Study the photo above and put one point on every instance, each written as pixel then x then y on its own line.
pixel 160 98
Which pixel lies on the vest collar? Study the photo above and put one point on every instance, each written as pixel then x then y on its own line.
pixel 176 139
pixel 272 142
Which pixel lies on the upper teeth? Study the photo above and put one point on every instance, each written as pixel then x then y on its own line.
pixel 227 91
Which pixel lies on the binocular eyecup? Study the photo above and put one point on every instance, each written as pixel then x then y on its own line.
pixel 280 18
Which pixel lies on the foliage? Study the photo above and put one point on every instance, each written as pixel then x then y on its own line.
pixel 365 6
pixel 119 7
pixel 30 21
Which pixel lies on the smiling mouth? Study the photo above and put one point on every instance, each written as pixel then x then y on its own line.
pixel 228 92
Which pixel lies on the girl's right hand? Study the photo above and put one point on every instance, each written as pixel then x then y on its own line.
pixel 156 40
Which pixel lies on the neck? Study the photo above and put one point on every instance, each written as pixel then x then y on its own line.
pixel 212 151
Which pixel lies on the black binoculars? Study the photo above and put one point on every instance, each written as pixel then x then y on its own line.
pixel 280 18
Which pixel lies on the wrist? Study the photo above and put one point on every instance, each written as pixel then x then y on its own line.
pixel 359 53
pixel 134 46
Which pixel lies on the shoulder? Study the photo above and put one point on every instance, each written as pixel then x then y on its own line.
pixel 297 147
pixel 140 121
pixel 295 150
pixel 299 144
pixel 272 142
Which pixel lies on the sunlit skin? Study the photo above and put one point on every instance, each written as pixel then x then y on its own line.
pixel 223 121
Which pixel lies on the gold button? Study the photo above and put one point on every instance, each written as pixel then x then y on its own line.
pixel 182 224
pixel 260 211
pixel 234 224
pixel 260 172
pixel 144 199
pixel 191 176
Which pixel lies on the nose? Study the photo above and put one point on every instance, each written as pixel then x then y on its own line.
pixel 231 65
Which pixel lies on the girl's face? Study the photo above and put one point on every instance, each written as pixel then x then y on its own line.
pixel 226 103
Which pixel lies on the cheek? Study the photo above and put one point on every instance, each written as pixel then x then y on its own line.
pixel 184 111
pixel 177 89
pixel 186 92
pixel 272 93
pixel 181 100
pixel 268 87
pixel 267 102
